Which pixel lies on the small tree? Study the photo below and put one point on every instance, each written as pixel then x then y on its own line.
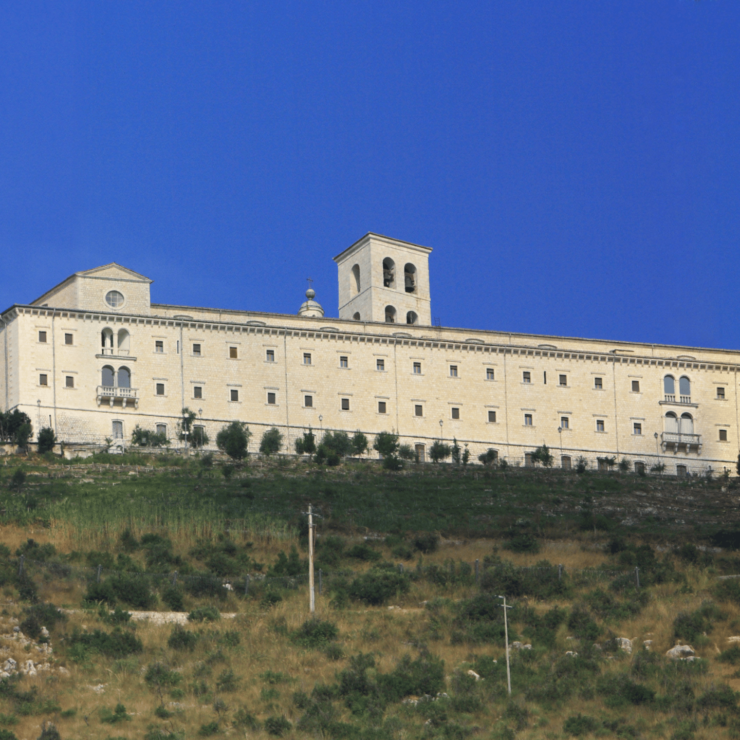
pixel 233 439
pixel 46 440
pixel 199 438
pixel 147 438
pixel 542 455
pixel 738 464
pixel 466 455
pixel 406 452
pixel 624 465
pixel 195 436
pixel 23 435
pixel 359 445
pixel 455 451
pixel 439 451
pixel 386 444
pixel 306 445
pixel 489 457
pixel 272 441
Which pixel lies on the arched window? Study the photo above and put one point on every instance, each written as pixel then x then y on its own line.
pixel 669 385
pixel 108 380
pixel 409 277
pixel 356 317
pixel 687 424
pixel 106 341
pixel 390 315
pixel 389 273
pixel 123 342
pixel 124 377
pixel 671 423
pixel 684 389
pixel 355 284
pixel 411 318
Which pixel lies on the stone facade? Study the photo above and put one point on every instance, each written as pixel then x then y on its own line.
pixel 93 370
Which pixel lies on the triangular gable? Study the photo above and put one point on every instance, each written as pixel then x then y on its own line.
pixel 114 270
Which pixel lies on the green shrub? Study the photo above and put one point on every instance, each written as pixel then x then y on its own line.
pixel 363 551
pixel 315 633
pixel 386 444
pixel 693 626
pixel 378 585
pixel 523 542
pixel 46 440
pixel 233 439
pixel 205 585
pixel 204 614
pixel 277 726
pixel 115 644
pixel 208 730
pixel 159 677
pixel 119 714
pixel 731 655
pixel 227 681
pixel 100 593
pixel 421 676
pixel 579 724
pixel 182 639
pixel 132 590
pixel 272 441
pixel 173 598
pixel 8 735
pixel 582 626
pixel 718 697
pixel 49 732
pixel 426 542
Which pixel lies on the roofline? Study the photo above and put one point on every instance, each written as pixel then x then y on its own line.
pixel 372 235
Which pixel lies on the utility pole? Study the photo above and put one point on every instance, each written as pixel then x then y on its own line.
pixel 506 637
pixel 312 596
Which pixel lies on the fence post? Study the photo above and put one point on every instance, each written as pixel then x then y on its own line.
pixel 560 571
pixel 477 571
pixel 99 571
pixel 400 568
pixel 637 576
pixel 174 578
pixel 246 585
pixel 20 566
pixel 320 584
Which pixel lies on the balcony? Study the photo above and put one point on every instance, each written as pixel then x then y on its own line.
pixel 676 440
pixel 112 395
pixel 678 401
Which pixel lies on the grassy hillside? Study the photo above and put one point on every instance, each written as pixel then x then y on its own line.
pixel 408 639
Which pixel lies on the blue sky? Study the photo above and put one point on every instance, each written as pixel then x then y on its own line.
pixel 574 165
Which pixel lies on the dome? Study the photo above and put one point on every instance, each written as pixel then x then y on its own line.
pixel 311 309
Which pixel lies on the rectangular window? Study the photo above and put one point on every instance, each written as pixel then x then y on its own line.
pixel 197 392
pixel 564 422
pixel 455 413
pixel 306 358
pixel 723 435
pixel 637 428
pixel 380 365
pixel 598 385
pixel 417 368
pixel 162 429
pixel 418 410
pixel 69 381
pixel 599 425
pixel 234 394
pixel 345 404
pixel 159 346
pixel 117 430
pixel 453 371
pixel 381 407
pixel 233 353
pixel 160 389
pixel 526 377
pixel 681 471
pixel 563 380
pixel 196 350
pixel 270 355
pixel 69 338
pixel 343 361
pixel 43 379
pixel 640 468
pixel 489 373
pixel 42 337
pixel 527 420
pixel 544 377
pixel 565 463
pixel 308 402
pixel 635 386
pixel 720 392
pixel 491 417
pixel 271 399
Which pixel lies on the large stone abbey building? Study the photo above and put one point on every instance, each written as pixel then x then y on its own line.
pixel 94 357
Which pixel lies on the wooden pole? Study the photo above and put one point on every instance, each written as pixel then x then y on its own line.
pixel 506 637
pixel 312 595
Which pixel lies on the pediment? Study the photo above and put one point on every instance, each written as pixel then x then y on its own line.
pixel 114 271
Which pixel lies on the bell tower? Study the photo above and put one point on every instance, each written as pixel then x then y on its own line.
pixel 385 280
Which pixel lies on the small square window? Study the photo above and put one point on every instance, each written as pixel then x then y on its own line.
pixel 381 407
pixel 197 391
pixel 161 429
pixel 563 380
pixel 159 346
pixel 526 377
pixel 599 425
pixel 306 358
pixel 723 435
pixel 489 373
pixel 270 355
pixel 637 428
pixel 42 337
pixel 635 386
pixel 343 361
pixel 308 402
pixel 564 422
pixel 234 394
pixel 69 338
pixel 160 389
pixel 453 371
pixel 418 410
pixel 491 417
pixel 527 420
pixel 69 381
pixel 271 399
pixel 196 350
pixel 720 392
pixel 640 468
pixel 455 412
pixel 345 404
pixel 598 384
pixel 417 368
pixel 233 353
pixel 43 379
pixel 380 365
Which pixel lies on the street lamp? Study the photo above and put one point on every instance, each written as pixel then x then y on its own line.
pixel 506 637
pixel 560 432
pixel 321 422
pixel 441 435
